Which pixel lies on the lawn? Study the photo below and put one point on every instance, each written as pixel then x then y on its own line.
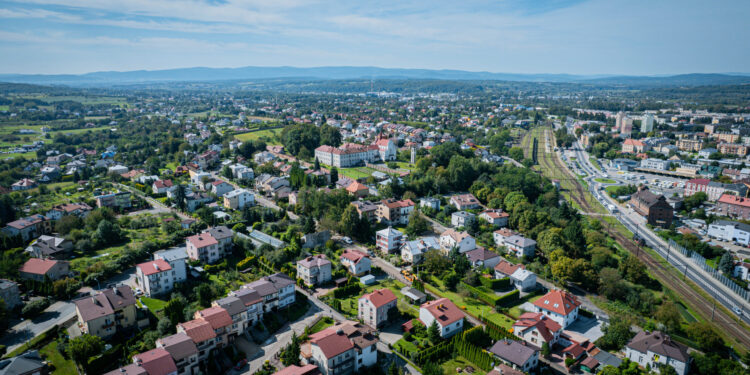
pixel 515 311
pixel 354 172
pixel 404 346
pixel 594 162
pixel 460 362
pixel 605 180
pixel 407 166
pixel 474 307
pixel 61 365
pixel 322 324
pixel 4 108
pixel 25 155
pixel 349 304
pixel 268 135
pixel 153 304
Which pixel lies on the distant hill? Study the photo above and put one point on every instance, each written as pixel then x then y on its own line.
pixel 351 72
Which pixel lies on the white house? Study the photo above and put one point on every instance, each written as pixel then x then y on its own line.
pixel 462 240
pixel 374 307
pixel 203 247
pixel 482 258
pixel 730 231
pixel 162 186
pixel 430 202
pixel 655 349
pixel 220 188
pixel 388 240
pixel 497 218
pixel 741 271
pixel 449 318
pixel 523 279
pixel 462 219
pixel 238 199
pixel 517 354
pixel 277 291
pixel 177 258
pixel 413 251
pixel 560 306
pixel 356 262
pixel 536 329
pixel 155 277
pixel 501 235
pixel 345 348
pixel 520 246
pixel 314 270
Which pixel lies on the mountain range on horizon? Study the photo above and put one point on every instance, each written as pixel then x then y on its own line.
pixel 204 74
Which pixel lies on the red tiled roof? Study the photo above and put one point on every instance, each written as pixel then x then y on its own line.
pixel 444 311
pixel 163 184
pixel 198 329
pixel 734 200
pixel 633 142
pixel 333 344
pixel 380 297
pixel 546 326
pixel 156 362
pixel 38 266
pixel 353 255
pixel 392 203
pixel 356 186
pixel 296 370
pixel 218 182
pixel 154 266
pixel 558 301
pixel 508 268
pixel 202 240
pixel 698 181
pixel 217 316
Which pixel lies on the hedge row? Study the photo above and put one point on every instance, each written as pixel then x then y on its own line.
pixel 492 299
pixel 346 291
pixel 495 284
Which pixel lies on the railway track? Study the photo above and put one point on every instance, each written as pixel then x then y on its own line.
pixel 699 303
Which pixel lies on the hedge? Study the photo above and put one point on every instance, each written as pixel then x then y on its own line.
pixel 495 331
pixel 495 284
pixel 485 297
pixel 474 354
pixel 434 353
pixel 509 298
pixel 346 291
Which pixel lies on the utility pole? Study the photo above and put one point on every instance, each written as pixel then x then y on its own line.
pixel 712 311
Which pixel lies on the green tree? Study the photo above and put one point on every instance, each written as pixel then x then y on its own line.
pixel 432 368
pixel 226 172
pixel 290 354
pixel 669 315
pixel 726 264
pixel 516 153
pixel 433 332
pixel 616 334
pixel 4 316
pixel 705 336
pixel 334 175
pixel 417 224
pixel 83 347
pixel 68 223
pixel 545 349
pixel 349 221
pixel 174 309
pixel 179 197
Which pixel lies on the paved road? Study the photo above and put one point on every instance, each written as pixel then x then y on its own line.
pixel 154 203
pixel 259 199
pixel 57 313
pixel 436 226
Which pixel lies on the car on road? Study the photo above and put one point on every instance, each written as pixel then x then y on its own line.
pixel 737 310
pixel 346 240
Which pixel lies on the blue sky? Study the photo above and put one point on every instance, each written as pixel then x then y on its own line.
pixel 521 36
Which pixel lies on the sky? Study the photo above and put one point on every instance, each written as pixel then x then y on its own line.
pixel 631 37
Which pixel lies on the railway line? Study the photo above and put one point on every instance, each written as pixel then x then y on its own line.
pixel 707 309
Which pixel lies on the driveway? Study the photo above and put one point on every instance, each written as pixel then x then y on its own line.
pixel 57 313
pixel 589 328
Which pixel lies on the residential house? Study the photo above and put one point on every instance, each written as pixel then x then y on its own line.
pixel 345 348
pixel 40 269
pixel 465 202
pixel 23 184
pixel 517 354
pixel 203 247
pixel 496 218
pixel 449 318
pixel 505 269
pixel 366 209
pixel 560 306
pixel 297 370
pixel 374 307
pixel 714 190
pixel 482 258
pixel 202 335
pixel 391 211
pixel 50 247
pixel 388 240
pixel 131 369
pixel 523 279
pixel 183 351
pixel 238 199
pixel 177 259
pixel 220 321
pixel 29 227
pixel 10 294
pixel 107 312
pixel 413 251
pixel 356 262
pixel 312 240
pixel 237 311
pixel 655 349
pixel 253 303
pixel 119 200
pixel 156 361
pixel 220 188
pixel 430 202
pixel 501 235
pixel 277 291
pixel 536 329
pixel 463 241
pixel 27 363
pixel 462 219
pixel 520 246
pixel 241 172
pixel 207 160
pixel 733 206
pixel 156 277
pixel 633 146
pixel 654 207
pixel 314 270
pixel 162 186
pixel 196 200
pixel 78 209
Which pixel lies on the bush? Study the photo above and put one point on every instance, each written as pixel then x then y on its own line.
pixel 34 308
pixel 407 336
pixel 495 284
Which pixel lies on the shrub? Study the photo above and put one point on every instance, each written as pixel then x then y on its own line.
pixel 495 284
pixel 34 308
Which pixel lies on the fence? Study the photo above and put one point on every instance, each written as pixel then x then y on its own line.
pixel 700 261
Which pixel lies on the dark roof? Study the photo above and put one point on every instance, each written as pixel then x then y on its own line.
pixel 25 363
pixel 232 304
pixel 515 352
pixel 120 296
pixel 647 197
pixel 179 345
pixel 221 232
pixel 658 343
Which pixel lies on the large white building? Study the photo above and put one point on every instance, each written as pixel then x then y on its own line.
pixel 647 123
pixel 348 155
pixel 730 231
pixel 388 240
pixel 177 258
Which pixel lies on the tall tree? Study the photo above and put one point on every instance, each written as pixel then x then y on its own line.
pixel 83 347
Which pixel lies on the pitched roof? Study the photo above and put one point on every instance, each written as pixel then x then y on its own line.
pixel 247 296
pixel 508 268
pixel 131 369
pixel 296 370
pixel 217 316
pixel 558 301
pixel 38 266
pixel 156 362
pixel 93 307
pixel 546 326
pixel 202 240
pixel 232 304
pixel 318 260
pixel 456 236
pixel 154 266
pixel 444 311
pixel 465 199
pixel 380 297
pixel 163 184
pixel 199 330
pixel 220 232
pixel 353 255
pixel 179 345
pixel 333 345
pixel 734 200
pixel 658 343
pixel 515 352
pixel 480 254
pixel 356 186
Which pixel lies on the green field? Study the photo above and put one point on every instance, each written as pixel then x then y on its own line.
pixel 268 135
pixel 473 306
pixel 4 108
pixel 54 357
pixel 153 304
pixel 460 362
pixel 81 99
pixel 605 180
pixel 27 155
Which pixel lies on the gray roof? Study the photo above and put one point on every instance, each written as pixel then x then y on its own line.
pixel 515 352
pixel 412 293
pixel 172 254
pixel 607 359
pixel 270 284
pixel 520 241
pixel 232 304
pixel 25 363
pixel 221 232
pixel 658 343
pixel 179 345
pixel 480 255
